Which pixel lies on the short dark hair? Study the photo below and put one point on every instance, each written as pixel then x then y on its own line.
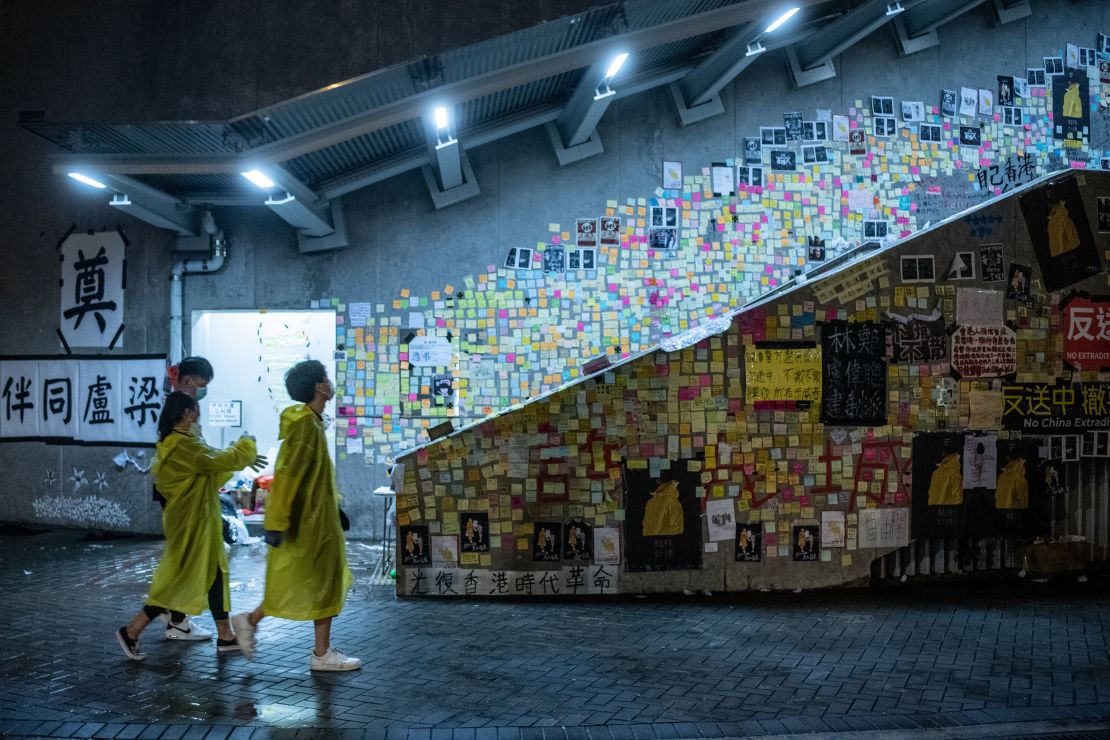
pixel 177 403
pixel 301 380
pixel 197 366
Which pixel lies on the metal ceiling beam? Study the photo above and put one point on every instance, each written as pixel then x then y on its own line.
pixel 585 107
pixel 1008 11
pixel 916 29
pixel 146 164
pixel 720 67
pixel 810 60
pixel 298 205
pixel 150 205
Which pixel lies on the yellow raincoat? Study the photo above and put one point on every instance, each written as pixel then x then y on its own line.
pixel 946 486
pixel 1012 489
pixel 306 576
pixel 189 473
pixel 663 515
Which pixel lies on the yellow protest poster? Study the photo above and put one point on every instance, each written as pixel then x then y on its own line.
pixel 782 374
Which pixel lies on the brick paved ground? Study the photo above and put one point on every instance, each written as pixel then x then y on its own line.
pixel 974 660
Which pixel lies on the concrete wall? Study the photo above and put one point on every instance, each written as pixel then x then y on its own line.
pixel 142 61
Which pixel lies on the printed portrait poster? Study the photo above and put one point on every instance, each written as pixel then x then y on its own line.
pixel 1071 108
pixel 1061 233
pixel 578 541
pixel 991 267
pixel 1022 507
pixel 414 545
pixel 585 230
pixel 1018 281
pixel 473 531
pixel 662 523
pixel 610 231
pixel 547 541
pixel 806 543
pixel 749 542
pixel 937 489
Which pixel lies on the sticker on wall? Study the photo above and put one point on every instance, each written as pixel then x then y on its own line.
pixel 607 545
pixel 414 545
pixel 969 99
pixel 991 265
pixel 1061 234
pixel 749 542
pixel 948 103
pixel 662 517
pixel 554 259
pixel 445 549
pixel 1005 90
pixel 547 541
pixel 473 532
pixel 577 541
pixel 971 136
pixel 807 543
pixel 857 142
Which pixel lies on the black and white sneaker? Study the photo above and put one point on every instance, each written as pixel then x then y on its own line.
pixel 186 630
pixel 226 646
pixel 130 647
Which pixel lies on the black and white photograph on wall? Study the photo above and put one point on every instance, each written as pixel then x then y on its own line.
pixel 822 154
pixel 547 541
pixel 881 106
pixel 662 525
pixel 990 263
pixel 662 238
pixel 1104 71
pixel 443 386
pixel 474 531
pixel 807 543
pixel 885 126
pixel 772 136
pixel 1035 76
pixel 808 131
pixel 664 216
pixel 1018 282
pixel 581 259
pixel 749 542
pixel 1064 447
pixel 519 258
pixel 609 233
pixel 672 175
pixel 918 268
pixel 963 266
pixel 578 539
pixel 1021 89
pixel 1096 444
pixel 1061 234
pixel 751 177
pixel 969 99
pixel 554 258
pixel 1103 214
pixel 1104 43
pixel 1071 108
pixel 1012 116
pixel 948 103
pixel 414 545
pixel 913 110
pixel 929 132
pixel 510 258
pixel 753 150
pixel 816 249
pixel 1053 66
pixel 1005 90
pixel 1087 57
pixel 809 155
pixel 874 230
pixel 585 230
pixel 971 136
pixel 792 122
pixel 783 160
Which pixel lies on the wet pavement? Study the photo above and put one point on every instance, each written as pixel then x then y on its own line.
pixel 957 659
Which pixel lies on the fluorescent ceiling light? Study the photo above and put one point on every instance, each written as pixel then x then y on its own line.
pixel 782 19
pixel 87 180
pixel 258 179
pixel 616 64
pixel 440 114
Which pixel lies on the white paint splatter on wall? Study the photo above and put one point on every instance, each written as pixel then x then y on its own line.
pixel 83 511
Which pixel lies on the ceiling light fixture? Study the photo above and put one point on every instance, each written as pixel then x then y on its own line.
pixel 440 116
pixel 258 179
pixel 87 180
pixel 782 19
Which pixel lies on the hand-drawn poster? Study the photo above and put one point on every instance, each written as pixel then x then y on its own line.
pixel 1086 323
pixel 937 490
pixel 1071 108
pixel 885 527
pixel 991 266
pixel 1018 281
pixel 1061 234
pixel 749 542
pixel 984 351
pixel 445 549
pixel 774 374
pixel 610 231
pixel 662 518
pixel 721 516
pixel 672 175
pixel 578 541
pixel 980 460
pixel 853 381
pixel 833 532
pixel 547 541
pixel 917 341
pixel 474 531
pixel 969 99
pixel 92 288
pixel 585 230
pixel 414 545
pixel 554 259
pixel 807 543
pixel 1065 408
pixel 607 545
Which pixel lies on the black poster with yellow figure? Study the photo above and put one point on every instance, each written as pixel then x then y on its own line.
pixel 1061 234
pixel 1021 501
pixel 662 518
pixel 937 495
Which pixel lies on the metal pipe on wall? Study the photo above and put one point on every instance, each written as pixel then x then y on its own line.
pixel 196 266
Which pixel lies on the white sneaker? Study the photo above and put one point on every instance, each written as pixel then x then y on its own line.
pixel 244 633
pixel 332 660
pixel 187 630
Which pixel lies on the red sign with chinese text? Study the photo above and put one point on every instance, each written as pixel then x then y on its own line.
pixel 1085 321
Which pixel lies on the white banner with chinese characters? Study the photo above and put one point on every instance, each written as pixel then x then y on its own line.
pixel 81 399
pixel 574 580
pixel 92 284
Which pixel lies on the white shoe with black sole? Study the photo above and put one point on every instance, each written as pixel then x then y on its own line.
pixel 186 631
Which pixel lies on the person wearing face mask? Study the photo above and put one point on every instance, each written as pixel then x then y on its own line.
pixel 193 570
pixel 307 578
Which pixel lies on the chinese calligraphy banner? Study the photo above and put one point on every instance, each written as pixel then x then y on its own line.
pixel 916 341
pixel 92 284
pixel 854 374
pixel 782 374
pixel 1040 408
pixel 81 399
pixel 577 580
pixel 1086 322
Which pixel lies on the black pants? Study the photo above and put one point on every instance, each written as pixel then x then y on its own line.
pixel 215 603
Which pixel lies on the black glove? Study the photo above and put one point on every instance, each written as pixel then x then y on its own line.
pixel 272 537
pixel 344 521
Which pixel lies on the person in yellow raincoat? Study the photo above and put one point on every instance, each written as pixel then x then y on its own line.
pixel 193 571
pixel 306 567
